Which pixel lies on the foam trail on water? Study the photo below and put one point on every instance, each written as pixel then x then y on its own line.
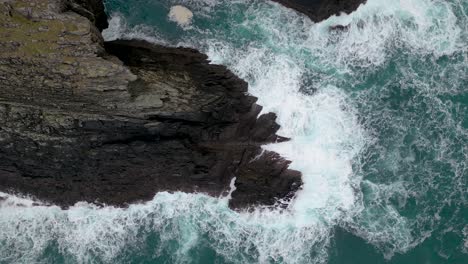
pixel 86 232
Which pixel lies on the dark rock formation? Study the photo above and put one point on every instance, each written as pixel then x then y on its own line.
pixel 81 120
pixel 91 9
pixel 319 10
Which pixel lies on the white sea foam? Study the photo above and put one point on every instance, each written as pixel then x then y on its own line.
pixel 118 28
pixel 465 240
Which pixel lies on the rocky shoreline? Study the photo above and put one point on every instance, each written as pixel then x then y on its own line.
pixel 318 10
pixel 116 122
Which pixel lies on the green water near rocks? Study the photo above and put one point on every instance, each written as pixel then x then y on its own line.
pixel 378 114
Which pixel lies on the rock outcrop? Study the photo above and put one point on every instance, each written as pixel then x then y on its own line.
pixel 116 122
pixel 319 10
pixel 91 9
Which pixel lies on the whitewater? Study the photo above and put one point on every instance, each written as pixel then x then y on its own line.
pixel 377 114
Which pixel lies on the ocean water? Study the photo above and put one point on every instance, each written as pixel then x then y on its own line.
pixel 378 116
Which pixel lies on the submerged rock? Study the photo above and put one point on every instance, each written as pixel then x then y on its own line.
pixel 319 10
pixel 116 122
pixel 339 28
pixel 181 15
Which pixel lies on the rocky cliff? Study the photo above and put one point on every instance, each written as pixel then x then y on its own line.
pixel 114 123
pixel 319 10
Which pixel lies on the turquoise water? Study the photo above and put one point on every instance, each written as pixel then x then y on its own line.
pixel 378 115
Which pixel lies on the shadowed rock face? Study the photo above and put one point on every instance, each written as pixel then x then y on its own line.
pixel 116 122
pixel 319 10
pixel 91 9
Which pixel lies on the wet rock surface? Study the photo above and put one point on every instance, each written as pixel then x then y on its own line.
pixel 116 122
pixel 319 10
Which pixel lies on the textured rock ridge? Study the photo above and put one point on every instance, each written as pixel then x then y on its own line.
pixel 116 122
pixel 91 9
pixel 319 10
